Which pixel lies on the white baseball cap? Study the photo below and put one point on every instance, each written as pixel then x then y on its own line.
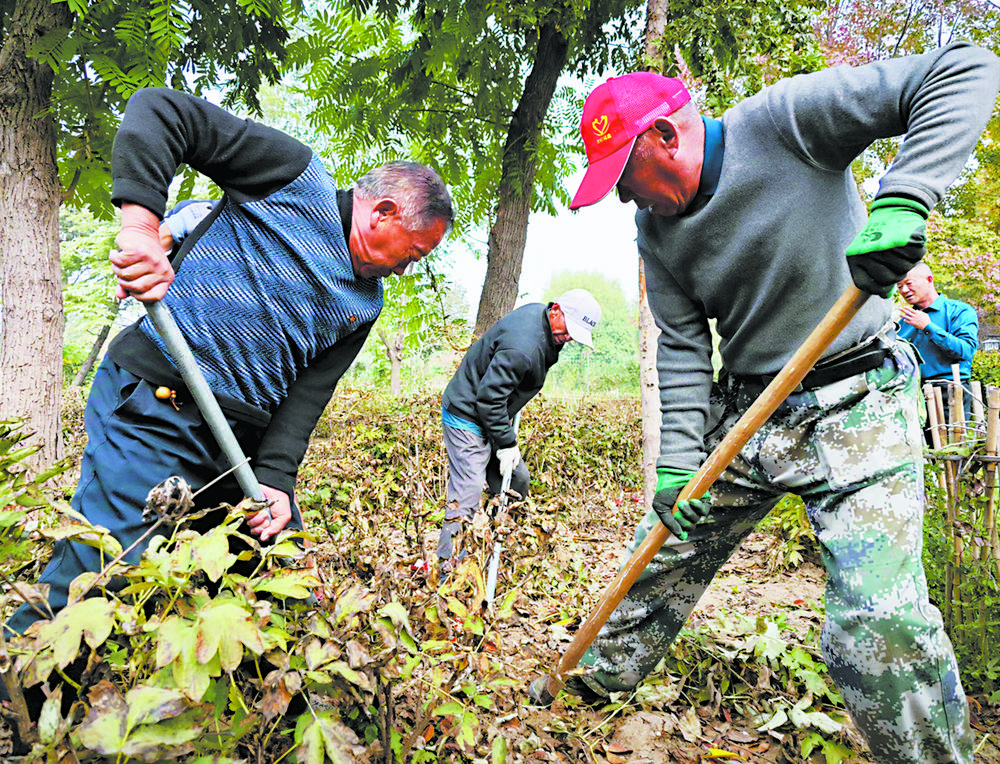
pixel 582 314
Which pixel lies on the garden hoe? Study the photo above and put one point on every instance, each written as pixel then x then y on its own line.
pixel 500 519
pixel 544 689
pixel 171 335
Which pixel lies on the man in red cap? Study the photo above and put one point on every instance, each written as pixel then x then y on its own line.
pixel 755 220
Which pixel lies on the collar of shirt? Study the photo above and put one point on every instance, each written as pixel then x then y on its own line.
pixel 938 304
pixel 711 166
pixel 345 203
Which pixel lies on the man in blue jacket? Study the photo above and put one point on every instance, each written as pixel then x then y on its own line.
pixel 499 374
pixel 943 331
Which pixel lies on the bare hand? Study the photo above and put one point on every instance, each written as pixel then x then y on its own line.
pixel 141 265
pixel 267 526
pixel 915 318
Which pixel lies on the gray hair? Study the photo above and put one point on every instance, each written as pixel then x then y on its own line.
pixel 419 191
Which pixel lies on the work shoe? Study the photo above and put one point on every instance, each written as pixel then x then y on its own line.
pixel 588 690
pixel 581 686
pixel 450 540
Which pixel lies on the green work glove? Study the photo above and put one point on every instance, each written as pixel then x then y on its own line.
pixel 689 513
pixel 889 245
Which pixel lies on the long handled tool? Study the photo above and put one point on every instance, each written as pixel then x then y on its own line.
pixel 547 687
pixel 491 575
pixel 171 335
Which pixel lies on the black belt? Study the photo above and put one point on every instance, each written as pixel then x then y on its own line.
pixel 865 358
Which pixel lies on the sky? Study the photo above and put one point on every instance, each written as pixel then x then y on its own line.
pixel 599 238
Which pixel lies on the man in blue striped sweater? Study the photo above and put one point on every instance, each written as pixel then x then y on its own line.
pixel 275 291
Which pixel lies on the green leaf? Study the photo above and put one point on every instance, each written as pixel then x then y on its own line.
pixel 94 536
pixel 833 751
pixel 174 635
pixel 351 602
pixel 352 676
pixel 168 740
pixel 50 718
pixel 103 728
pixel 449 708
pixel 92 619
pixel 323 734
pixel 397 614
pixel 292 584
pixel 803 719
pixel 148 705
pixel 777 719
pixel 224 628
pixel 499 750
pixel 212 554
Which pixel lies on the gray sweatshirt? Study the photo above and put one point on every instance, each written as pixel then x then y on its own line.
pixel 765 255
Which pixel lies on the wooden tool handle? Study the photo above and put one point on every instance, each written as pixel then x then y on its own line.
pixel 773 395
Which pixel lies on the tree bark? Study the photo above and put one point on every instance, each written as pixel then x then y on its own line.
pixel 517 178
pixel 30 279
pixel 649 384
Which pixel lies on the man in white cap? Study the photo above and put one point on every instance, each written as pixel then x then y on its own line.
pixel 755 220
pixel 499 374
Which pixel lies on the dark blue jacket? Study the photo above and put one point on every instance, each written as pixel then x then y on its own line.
pixel 502 371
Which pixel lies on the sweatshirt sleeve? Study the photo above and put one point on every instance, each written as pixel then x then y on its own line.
pixel 939 102
pixel 683 366
pixel 287 436
pixel 163 128
pixel 506 370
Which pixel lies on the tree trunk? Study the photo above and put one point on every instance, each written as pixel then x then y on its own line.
pixel 649 385
pixel 30 280
pixel 88 362
pixel 394 352
pixel 517 178
pixel 649 391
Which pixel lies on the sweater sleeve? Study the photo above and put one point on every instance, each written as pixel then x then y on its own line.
pixel 683 366
pixel 939 102
pixel 163 128
pixel 287 436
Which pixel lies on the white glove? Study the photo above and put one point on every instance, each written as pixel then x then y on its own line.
pixel 508 458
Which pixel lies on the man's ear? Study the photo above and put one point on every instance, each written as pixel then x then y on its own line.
pixel 383 208
pixel 668 132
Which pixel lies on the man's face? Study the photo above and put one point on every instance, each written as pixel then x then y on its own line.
pixel 659 178
pixel 386 246
pixel 557 321
pixel 917 289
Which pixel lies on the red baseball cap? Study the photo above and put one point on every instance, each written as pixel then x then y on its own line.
pixel 615 114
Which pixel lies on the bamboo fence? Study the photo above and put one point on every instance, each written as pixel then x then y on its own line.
pixel 964 449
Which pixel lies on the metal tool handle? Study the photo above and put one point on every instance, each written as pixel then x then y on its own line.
pixel 491 574
pixel 178 348
pixel 774 394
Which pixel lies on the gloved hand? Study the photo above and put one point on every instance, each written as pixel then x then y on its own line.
pixel 508 458
pixel 889 245
pixel 689 512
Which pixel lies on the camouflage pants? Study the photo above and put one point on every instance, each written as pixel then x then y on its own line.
pixel 852 451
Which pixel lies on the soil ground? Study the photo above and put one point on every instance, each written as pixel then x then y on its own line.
pixel 638 732
pixel 649 727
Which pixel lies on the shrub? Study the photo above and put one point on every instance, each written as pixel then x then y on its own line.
pixel 986 367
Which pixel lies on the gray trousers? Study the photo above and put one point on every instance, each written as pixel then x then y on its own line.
pixel 472 463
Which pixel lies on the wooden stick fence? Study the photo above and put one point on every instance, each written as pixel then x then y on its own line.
pixel 962 446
